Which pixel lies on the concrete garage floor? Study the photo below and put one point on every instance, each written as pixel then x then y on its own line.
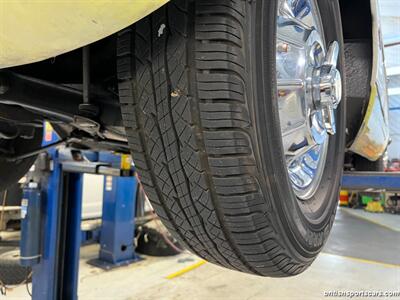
pixel 360 255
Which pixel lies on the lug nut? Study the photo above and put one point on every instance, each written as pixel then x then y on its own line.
pixel 281 93
pixel 283 47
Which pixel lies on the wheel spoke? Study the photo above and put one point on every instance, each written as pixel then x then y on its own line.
pixel 292 130
pixel 332 56
pixel 282 37
pixel 328 116
pixel 295 138
pixel 290 84
pixel 292 156
pixel 290 19
pixel 292 115
pixel 291 62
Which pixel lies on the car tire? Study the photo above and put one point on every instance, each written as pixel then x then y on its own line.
pixel 11 271
pixel 156 243
pixel 198 97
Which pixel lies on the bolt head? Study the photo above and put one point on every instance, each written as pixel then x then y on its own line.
pixel 283 47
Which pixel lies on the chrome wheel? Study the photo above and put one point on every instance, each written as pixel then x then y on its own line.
pixel 309 91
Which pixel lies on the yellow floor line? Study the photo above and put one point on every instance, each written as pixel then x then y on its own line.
pixel 187 269
pixel 362 260
pixel 371 221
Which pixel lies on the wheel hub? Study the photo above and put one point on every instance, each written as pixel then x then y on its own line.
pixel 327 88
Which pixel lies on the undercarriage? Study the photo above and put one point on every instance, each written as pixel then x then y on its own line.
pixel 76 92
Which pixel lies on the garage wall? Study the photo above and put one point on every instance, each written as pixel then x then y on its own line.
pixel 92 196
pixel 390 11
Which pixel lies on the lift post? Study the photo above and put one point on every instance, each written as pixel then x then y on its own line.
pixel 58 179
pixel 55 276
pixel 118 224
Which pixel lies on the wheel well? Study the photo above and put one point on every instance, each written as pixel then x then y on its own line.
pixel 357 23
pixel 357 32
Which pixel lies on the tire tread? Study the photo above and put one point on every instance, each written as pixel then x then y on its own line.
pixel 184 105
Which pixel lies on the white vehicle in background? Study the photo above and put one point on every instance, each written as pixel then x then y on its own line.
pixel 234 111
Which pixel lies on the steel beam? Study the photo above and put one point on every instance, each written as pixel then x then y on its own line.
pixel 371 181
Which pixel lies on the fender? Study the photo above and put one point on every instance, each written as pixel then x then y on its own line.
pixel 32 31
pixel 371 136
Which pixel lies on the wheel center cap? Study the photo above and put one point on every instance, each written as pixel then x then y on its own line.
pixel 330 88
pixel 327 89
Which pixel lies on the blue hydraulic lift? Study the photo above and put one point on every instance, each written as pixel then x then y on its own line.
pixel 51 219
pixel 374 182
pixel 51 212
pixel 362 181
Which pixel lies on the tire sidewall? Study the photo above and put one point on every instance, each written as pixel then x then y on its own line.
pixel 11 271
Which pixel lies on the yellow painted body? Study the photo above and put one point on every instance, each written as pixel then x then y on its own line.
pixel 34 30
pixel 373 137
